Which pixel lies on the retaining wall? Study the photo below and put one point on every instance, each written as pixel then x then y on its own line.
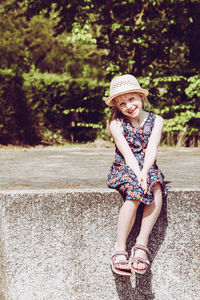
pixel 57 245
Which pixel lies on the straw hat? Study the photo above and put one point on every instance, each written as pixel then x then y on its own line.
pixel 122 85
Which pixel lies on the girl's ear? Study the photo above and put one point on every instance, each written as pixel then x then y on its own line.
pixel 145 102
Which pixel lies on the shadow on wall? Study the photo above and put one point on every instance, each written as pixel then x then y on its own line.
pixel 143 283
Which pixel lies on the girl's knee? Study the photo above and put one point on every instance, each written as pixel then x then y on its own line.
pixel 132 203
pixel 135 203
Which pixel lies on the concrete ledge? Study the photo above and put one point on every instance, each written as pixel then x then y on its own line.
pixel 56 244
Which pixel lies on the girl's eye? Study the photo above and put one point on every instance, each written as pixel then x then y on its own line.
pixel 131 99
pixel 122 105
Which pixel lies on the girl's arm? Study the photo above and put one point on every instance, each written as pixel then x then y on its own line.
pixel 123 147
pixel 154 141
pixel 151 151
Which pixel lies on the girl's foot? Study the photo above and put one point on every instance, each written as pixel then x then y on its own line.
pixel 139 262
pixel 120 264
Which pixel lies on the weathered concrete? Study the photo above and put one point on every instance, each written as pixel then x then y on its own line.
pixel 56 244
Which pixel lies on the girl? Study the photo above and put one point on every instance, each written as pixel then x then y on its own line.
pixel 134 172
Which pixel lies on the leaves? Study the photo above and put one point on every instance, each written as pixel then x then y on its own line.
pixel 66 52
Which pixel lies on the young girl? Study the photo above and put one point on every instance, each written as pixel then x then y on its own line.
pixel 134 172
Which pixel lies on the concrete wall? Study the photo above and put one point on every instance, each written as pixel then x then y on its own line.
pixel 57 245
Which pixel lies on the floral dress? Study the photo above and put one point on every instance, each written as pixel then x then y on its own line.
pixel 122 177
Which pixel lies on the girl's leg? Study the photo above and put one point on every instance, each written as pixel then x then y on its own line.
pixel 126 220
pixel 150 215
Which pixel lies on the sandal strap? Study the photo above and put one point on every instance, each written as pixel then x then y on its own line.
pixel 141 260
pixel 120 262
pixel 141 247
pixel 117 253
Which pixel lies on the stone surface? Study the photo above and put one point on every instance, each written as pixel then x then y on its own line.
pixel 80 167
pixel 56 244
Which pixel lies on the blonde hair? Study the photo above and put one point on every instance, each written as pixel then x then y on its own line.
pixel 145 101
pixel 115 114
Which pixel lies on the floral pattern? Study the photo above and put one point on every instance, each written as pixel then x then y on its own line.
pixel 122 177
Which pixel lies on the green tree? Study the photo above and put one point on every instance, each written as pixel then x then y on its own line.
pixel 44 98
pixel 154 40
pixel 13 53
pixel 141 37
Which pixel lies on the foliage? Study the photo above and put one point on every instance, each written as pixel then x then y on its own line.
pixel 34 42
pixel 16 120
pixel 46 101
pixel 13 52
pixel 179 105
pixel 128 29
pixel 84 43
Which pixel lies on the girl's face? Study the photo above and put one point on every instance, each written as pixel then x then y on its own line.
pixel 130 104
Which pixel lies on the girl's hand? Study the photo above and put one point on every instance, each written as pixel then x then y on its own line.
pixel 142 179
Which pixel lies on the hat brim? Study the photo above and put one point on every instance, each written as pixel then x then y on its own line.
pixel 109 100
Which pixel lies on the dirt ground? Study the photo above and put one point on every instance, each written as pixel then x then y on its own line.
pixel 78 166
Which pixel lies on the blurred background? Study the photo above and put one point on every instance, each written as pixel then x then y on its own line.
pixel 58 57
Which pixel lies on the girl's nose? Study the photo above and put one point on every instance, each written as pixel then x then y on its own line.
pixel 128 105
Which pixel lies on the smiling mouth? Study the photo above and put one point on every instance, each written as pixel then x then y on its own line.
pixel 132 111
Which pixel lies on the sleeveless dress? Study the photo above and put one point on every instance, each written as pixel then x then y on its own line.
pixel 122 178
